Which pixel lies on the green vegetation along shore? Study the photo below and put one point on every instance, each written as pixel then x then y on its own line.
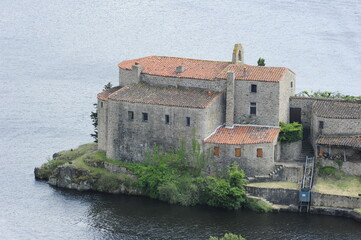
pixel 165 176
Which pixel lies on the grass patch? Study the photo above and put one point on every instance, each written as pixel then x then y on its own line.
pixel 333 181
pixel 358 210
pixel 284 185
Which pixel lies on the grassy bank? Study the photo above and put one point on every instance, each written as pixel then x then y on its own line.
pixel 333 181
pixel 168 177
pixel 283 185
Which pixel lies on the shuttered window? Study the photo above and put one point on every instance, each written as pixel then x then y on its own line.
pixel 237 152
pixel 259 152
pixel 216 151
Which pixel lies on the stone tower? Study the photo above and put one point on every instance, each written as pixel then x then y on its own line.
pixel 238 54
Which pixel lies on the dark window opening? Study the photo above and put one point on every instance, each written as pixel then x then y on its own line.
pixel 166 119
pixel 259 152
pixel 254 88
pixel 101 104
pixel 291 84
pixel 320 125
pixel 188 123
pixel 145 117
pixel 253 108
pixel 216 151
pixel 130 115
pixel 237 152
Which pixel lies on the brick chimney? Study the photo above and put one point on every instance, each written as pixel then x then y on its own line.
pixel 230 99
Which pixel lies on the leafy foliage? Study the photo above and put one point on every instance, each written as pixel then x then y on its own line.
pixel 291 132
pixel 261 62
pixel 257 205
pixel 328 94
pixel 228 236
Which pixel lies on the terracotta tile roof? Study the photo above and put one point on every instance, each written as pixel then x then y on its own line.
pixel 243 134
pixel 166 66
pixel 254 73
pixel 105 94
pixel 337 109
pixel 203 69
pixel 348 141
pixel 168 96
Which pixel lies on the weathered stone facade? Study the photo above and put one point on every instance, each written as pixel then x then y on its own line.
pixel 238 94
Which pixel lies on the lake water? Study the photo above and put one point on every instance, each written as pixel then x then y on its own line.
pixel 55 56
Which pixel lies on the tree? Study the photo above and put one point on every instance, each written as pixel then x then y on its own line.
pixel 94 115
pixel 261 62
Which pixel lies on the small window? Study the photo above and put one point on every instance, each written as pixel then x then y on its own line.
pixel 259 152
pixel 320 125
pixel 145 117
pixel 188 121
pixel 253 108
pixel 237 152
pixel 291 84
pixel 167 119
pixel 130 115
pixel 254 88
pixel 216 151
pixel 101 104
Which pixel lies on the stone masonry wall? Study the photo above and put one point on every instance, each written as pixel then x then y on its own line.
pixel 287 89
pixel 350 168
pixel 129 140
pixel 335 201
pixel 102 110
pixel 305 103
pixel 266 99
pixel 249 162
pixel 218 85
pixel 275 195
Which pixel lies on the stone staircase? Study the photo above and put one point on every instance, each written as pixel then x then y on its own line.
pixel 307 150
pixel 266 178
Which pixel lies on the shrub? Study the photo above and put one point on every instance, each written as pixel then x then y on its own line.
pixel 257 205
pixel 228 236
pixel 291 132
pixel 327 171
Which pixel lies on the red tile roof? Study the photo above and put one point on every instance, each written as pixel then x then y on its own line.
pixel 348 141
pixel 243 134
pixel 254 73
pixel 203 69
pixel 105 94
pixel 337 109
pixel 168 96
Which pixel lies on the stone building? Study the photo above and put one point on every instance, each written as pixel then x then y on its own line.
pixel 232 108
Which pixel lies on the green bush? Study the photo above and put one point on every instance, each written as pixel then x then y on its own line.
pixel 291 132
pixel 330 172
pixel 228 236
pixel 257 205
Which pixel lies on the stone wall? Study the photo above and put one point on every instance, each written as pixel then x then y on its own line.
pixel 218 85
pixel 102 110
pixel 335 201
pixel 266 99
pixel 333 126
pixel 290 151
pixel 350 168
pixel 130 139
pixel 287 89
pixel 249 162
pixel 275 195
pixel 305 103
